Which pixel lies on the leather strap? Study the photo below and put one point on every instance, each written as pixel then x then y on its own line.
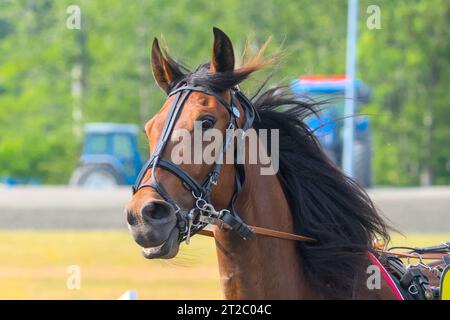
pixel 282 235
pixel 426 256
pixel 268 233
pixel 189 88
pixel 237 225
pixel 295 237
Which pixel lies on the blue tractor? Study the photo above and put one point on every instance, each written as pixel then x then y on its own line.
pixel 110 156
pixel 327 126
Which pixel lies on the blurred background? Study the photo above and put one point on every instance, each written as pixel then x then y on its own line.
pixel 74 99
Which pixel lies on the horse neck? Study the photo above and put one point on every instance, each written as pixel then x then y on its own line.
pixel 261 268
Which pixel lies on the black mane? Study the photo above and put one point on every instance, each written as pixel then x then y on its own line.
pixel 217 81
pixel 326 204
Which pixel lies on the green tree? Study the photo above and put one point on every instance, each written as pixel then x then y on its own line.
pixel 406 63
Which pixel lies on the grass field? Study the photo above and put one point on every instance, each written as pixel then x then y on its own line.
pixel 33 265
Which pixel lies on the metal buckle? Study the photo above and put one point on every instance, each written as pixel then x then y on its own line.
pixel 206 219
pixel 236 112
pixel 190 218
pixel 413 289
pixel 213 180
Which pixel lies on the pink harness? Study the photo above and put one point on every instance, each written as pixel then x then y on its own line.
pixel 387 277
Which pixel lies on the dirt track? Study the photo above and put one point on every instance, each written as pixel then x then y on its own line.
pixel 409 209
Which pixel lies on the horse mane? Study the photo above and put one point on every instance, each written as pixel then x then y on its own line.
pixel 326 204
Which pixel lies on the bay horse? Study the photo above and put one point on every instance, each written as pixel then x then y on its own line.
pixel 309 196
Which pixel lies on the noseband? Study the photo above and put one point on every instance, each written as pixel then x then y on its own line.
pixel 194 220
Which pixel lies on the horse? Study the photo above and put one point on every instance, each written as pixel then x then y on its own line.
pixel 308 197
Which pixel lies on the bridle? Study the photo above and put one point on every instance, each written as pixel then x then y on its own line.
pixel 203 213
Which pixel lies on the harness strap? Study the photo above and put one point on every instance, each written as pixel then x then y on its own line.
pixel 170 122
pixel 295 237
pixel 190 88
pixel 140 176
pixel 247 105
pixel 237 225
pixel 268 233
pixel 426 256
pixel 162 191
pixel 181 174
pixel 387 277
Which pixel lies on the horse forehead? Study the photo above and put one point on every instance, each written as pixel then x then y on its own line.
pixel 196 104
pixel 202 101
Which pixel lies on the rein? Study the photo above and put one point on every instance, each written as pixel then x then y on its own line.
pixel 268 233
pixel 294 237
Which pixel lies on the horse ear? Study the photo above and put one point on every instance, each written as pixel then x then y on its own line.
pixel 165 71
pixel 222 54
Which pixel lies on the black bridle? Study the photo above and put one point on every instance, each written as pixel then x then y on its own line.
pixel 193 220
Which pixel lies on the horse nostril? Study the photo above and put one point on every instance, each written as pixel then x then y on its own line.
pixel 155 211
pixel 131 219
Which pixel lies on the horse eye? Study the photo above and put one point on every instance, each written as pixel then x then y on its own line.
pixel 208 123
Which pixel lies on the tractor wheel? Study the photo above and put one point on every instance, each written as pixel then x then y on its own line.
pixel 95 176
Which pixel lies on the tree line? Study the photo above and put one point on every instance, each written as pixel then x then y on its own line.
pixel 54 78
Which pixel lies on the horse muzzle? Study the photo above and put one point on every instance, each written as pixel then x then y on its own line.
pixel 155 229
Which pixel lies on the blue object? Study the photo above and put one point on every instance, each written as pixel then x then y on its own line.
pixel 114 145
pixel 323 128
pixel 14 181
pixel 328 125
pixel 301 87
pixel 361 124
pixel 329 85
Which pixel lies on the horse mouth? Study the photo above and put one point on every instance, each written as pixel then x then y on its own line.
pixel 167 250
